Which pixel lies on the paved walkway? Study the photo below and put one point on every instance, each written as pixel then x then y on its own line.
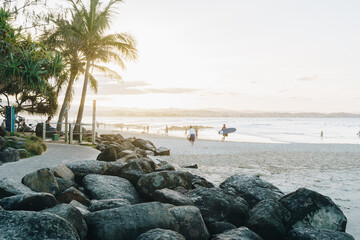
pixel 56 154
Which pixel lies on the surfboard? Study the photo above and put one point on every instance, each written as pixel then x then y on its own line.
pixel 227 130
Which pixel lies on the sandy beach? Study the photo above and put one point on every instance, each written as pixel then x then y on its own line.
pixel 330 169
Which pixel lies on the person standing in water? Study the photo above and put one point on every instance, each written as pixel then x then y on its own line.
pixel 224 134
pixel 166 130
pixel 192 135
pixel 322 134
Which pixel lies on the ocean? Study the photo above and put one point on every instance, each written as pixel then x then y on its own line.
pixel 261 130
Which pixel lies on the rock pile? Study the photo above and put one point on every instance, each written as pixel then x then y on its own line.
pixel 137 198
pixel 9 154
pixel 115 147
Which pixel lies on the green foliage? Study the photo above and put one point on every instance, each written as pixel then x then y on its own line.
pixel 24 154
pixel 25 69
pixel 34 148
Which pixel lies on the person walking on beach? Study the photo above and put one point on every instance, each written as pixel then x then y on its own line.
pixel 147 128
pixel 196 133
pixel 224 134
pixel 192 135
pixel 166 130
pixel 322 134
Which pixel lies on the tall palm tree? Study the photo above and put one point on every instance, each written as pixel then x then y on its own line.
pixel 96 45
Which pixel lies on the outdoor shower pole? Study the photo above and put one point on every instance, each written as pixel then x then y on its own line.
pixel 66 124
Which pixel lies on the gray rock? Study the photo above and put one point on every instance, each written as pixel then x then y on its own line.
pixel 9 154
pixel 251 188
pixel 135 169
pixel 82 208
pixel 127 145
pixel 125 153
pixel 241 233
pixel 64 172
pixel 115 168
pixel 23 153
pixel 3 143
pixel 160 234
pixel 128 222
pixel 151 182
pixel 219 227
pixel 195 166
pixel 10 187
pixel 166 167
pixel 108 155
pixel 144 144
pixel 191 224
pixel 217 206
pixel 97 205
pixel 198 181
pixel 72 215
pixel 102 187
pixel 64 184
pixel 83 168
pixel 173 197
pixel 314 234
pixel 269 219
pixel 162 151
pixel 72 194
pixel 42 180
pixel 17 225
pixel 29 202
pixel 311 209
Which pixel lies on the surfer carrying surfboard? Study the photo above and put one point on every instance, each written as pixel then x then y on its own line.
pixel 224 134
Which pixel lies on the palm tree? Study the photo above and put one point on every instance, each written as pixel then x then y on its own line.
pixel 96 45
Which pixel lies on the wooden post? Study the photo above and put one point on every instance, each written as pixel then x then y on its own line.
pixel 94 122
pixel 44 131
pixel 71 133
pixel 80 133
pixel 66 124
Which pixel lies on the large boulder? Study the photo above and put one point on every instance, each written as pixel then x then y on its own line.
pixel 115 168
pixel 160 234
pixel 251 188
pixel 72 194
pixel 108 155
pixel 72 215
pixel 3 143
pixel 191 224
pixel 128 222
pixel 10 187
pixel 29 202
pixel 83 168
pixel 97 205
pixel 144 144
pixel 314 234
pixel 241 233
pixel 102 187
pixel 173 197
pixel 82 208
pixel 311 209
pixel 9 154
pixel 126 145
pixel 133 170
pixel 34 226
pixel 64 172
pixel 64 184
pixel 42 180
pixel 162 151
pixel 220 227
pixel 217 206
pixel 151 182
pixel 269 219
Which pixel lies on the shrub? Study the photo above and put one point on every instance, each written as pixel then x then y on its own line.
pixel 34 148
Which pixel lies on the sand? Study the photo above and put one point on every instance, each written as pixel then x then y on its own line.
pixel 330 169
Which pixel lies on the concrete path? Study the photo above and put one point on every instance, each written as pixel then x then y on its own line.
pixel 56 154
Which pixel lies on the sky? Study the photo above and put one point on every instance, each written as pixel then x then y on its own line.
pixel 279 55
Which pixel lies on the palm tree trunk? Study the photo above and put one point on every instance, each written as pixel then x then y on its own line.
pixel 66 102
pixel 83 96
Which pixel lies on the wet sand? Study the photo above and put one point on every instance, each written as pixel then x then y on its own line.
pixel 330 169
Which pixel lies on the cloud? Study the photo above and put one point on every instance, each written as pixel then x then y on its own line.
pixel 306 78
